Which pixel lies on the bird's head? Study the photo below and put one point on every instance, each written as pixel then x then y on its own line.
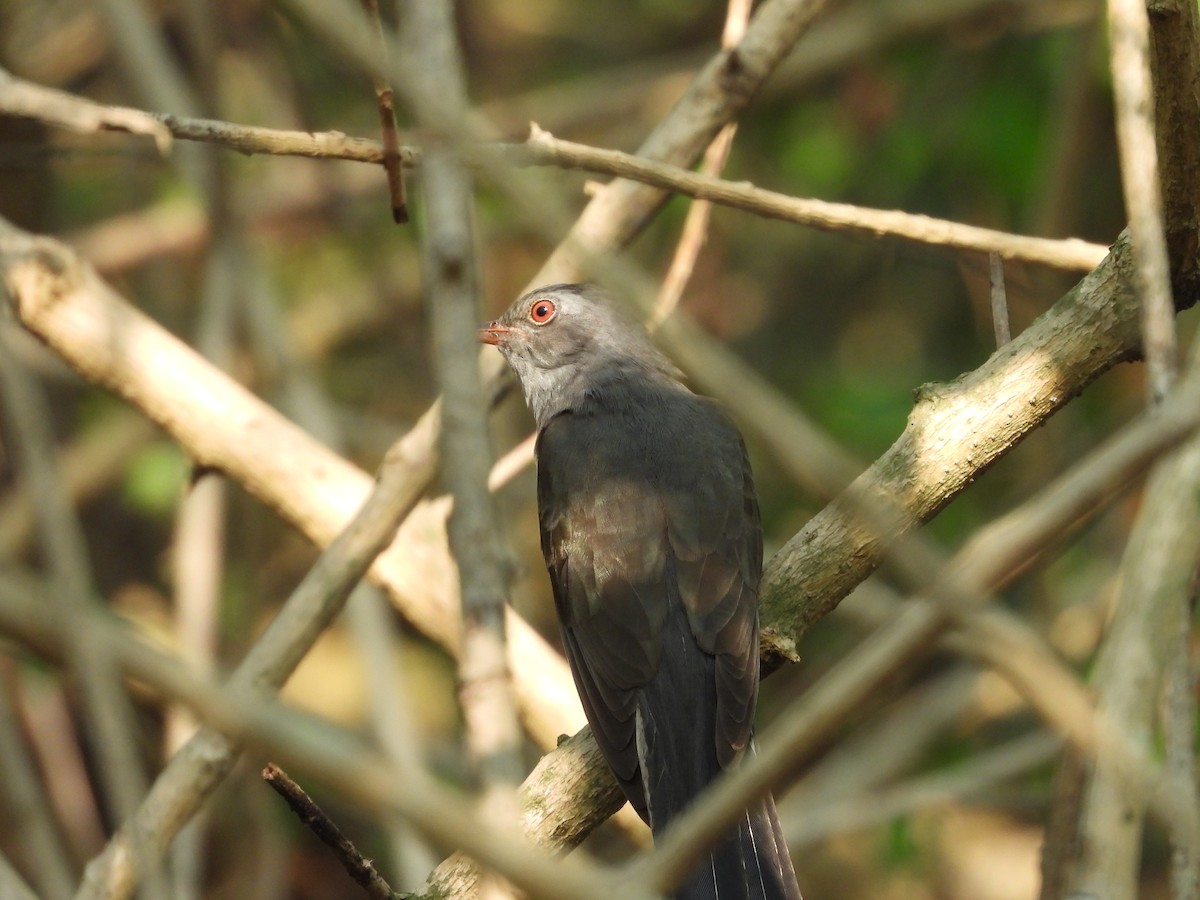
pixel 566 341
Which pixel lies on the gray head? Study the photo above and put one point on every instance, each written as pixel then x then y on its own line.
pixel 566 342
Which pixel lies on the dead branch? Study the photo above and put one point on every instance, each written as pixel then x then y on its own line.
pixel 542 148
pixel 317 821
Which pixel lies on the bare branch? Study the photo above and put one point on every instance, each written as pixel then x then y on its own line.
pixel 23 98
pixel 1000 321
pixel 986 770
pixel 318 822
pixel 695 225
pixel 1150 616
pixel 1129 31
pixel 385 100
pixel 29 807
pixel 1091 328
pixel 109 714
pixel 543 148
pixel 249 717
pixel 1162 556
pixel 1179 762
pixel 451 279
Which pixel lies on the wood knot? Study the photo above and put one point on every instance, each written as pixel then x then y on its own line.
pixel 733 71
pixel 42 274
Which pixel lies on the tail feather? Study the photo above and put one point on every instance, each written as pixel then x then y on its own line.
pixel 678 760
pixel 752 864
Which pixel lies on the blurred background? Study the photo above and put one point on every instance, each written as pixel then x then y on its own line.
pixel 980 111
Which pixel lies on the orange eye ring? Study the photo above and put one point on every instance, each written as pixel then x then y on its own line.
pixel 542 311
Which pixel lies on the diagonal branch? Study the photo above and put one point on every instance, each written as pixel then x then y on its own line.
pixel 968 423
pixel 544 149
pixel 249 718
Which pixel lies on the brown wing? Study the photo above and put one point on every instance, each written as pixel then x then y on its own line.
pixel 651 535
pixel 715 534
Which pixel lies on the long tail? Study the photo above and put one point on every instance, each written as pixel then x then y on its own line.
pixel 676 719
pixel 752 865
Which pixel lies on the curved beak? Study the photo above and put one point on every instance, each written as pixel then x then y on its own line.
pixel 493 333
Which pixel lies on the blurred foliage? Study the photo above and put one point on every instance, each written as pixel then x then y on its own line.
pixel 155 479
pixel 999 118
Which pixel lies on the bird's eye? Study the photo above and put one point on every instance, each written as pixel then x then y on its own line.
pixel 542 311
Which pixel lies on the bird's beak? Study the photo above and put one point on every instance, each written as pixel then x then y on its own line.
pixel 493 333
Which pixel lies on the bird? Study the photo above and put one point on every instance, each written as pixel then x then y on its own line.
pixel 652 538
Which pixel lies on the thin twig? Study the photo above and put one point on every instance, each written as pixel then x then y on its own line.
pixel 1151 613
pixel 223 442
pixel 513 462
pixel 798 588
pixel 1179 756
pixel 894 741
pixel 543 148
pixel 985 770
pixel 385 101
pixel 368 612
pixel 152 72
pixel 197 769
pixel 198 544
pixel 203 762
pixel 695 225
pixel 318 822
pixel 46 707
pixel 1161 557
pixel 146 57
pixel 108 711
pixel 1129 34
pixel 29 811
pixel 23 98
pixel 999 300
pixel 271 457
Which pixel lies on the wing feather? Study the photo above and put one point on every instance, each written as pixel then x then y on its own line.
pixel 644 508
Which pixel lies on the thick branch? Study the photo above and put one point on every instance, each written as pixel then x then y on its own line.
pixel 1175 62
pixel 954 433
pixel 1129 39
pixel 451 284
